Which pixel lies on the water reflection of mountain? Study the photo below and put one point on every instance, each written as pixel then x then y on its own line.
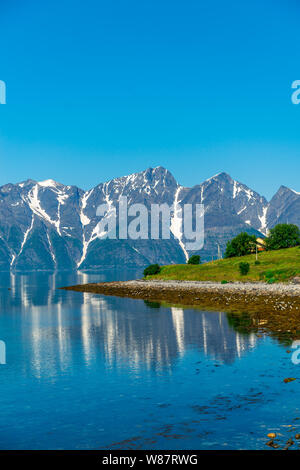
pixel 64 326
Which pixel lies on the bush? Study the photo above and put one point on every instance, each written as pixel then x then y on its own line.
pixel 283 236
pixel 224 282
pixel 256 262
pixel 152 304
pixel 195 259
pixel 241 245
pixel 244 268
pixel 268 274
pixel 152 269
pixel 270 277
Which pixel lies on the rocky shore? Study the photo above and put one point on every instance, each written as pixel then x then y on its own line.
pixel 238 296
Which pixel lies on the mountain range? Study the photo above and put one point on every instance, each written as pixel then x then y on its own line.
pixel 50 226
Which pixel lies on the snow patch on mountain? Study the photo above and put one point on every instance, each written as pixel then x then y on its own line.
pixel 295 192
pixel 35 205
pixel 177 222
pixel 26 234
pixel 263 220
pixel 49 184
pixel 51 250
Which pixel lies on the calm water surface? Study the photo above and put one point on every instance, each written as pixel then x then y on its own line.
pixel 91 372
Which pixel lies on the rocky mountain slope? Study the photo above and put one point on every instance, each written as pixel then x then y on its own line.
pixel 48 226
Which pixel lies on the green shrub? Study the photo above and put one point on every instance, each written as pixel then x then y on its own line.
pixel 283 236
pixel 152 304
pixel 224 282
pixel 195 259
pixel 241 245
pixel 268 274
pixel 244 268
pixel 271 280
pixel 256 262
pixel 152 269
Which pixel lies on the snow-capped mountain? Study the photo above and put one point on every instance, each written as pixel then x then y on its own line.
pixel 47 225
pixel 284 207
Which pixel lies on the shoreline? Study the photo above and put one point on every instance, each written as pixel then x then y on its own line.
pixel 251 297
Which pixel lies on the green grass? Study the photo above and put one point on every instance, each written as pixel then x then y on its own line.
pixel 275 266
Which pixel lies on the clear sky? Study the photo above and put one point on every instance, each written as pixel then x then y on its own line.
pixel 99 89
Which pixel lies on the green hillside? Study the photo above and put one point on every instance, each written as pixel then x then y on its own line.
pixel 275 266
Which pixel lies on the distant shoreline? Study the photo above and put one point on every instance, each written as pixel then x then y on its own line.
pixel 238 296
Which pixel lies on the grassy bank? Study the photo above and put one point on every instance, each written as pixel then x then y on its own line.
pixel 277 266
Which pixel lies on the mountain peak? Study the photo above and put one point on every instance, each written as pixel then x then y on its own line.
pixel 284 191
pixel 49 183
pixel 158 171
pixel 26 183
pixel 220 176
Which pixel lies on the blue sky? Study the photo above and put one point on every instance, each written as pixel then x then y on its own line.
pixel 100 89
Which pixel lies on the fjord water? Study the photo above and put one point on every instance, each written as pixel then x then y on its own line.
pixel 86 371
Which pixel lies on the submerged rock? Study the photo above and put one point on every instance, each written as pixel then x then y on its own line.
pixel 289 443
pixel 273 444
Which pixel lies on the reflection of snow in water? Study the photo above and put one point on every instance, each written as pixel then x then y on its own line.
pixel 178 322
pixel 119 331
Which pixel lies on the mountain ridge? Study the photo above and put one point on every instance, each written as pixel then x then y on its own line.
pixel 49 225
